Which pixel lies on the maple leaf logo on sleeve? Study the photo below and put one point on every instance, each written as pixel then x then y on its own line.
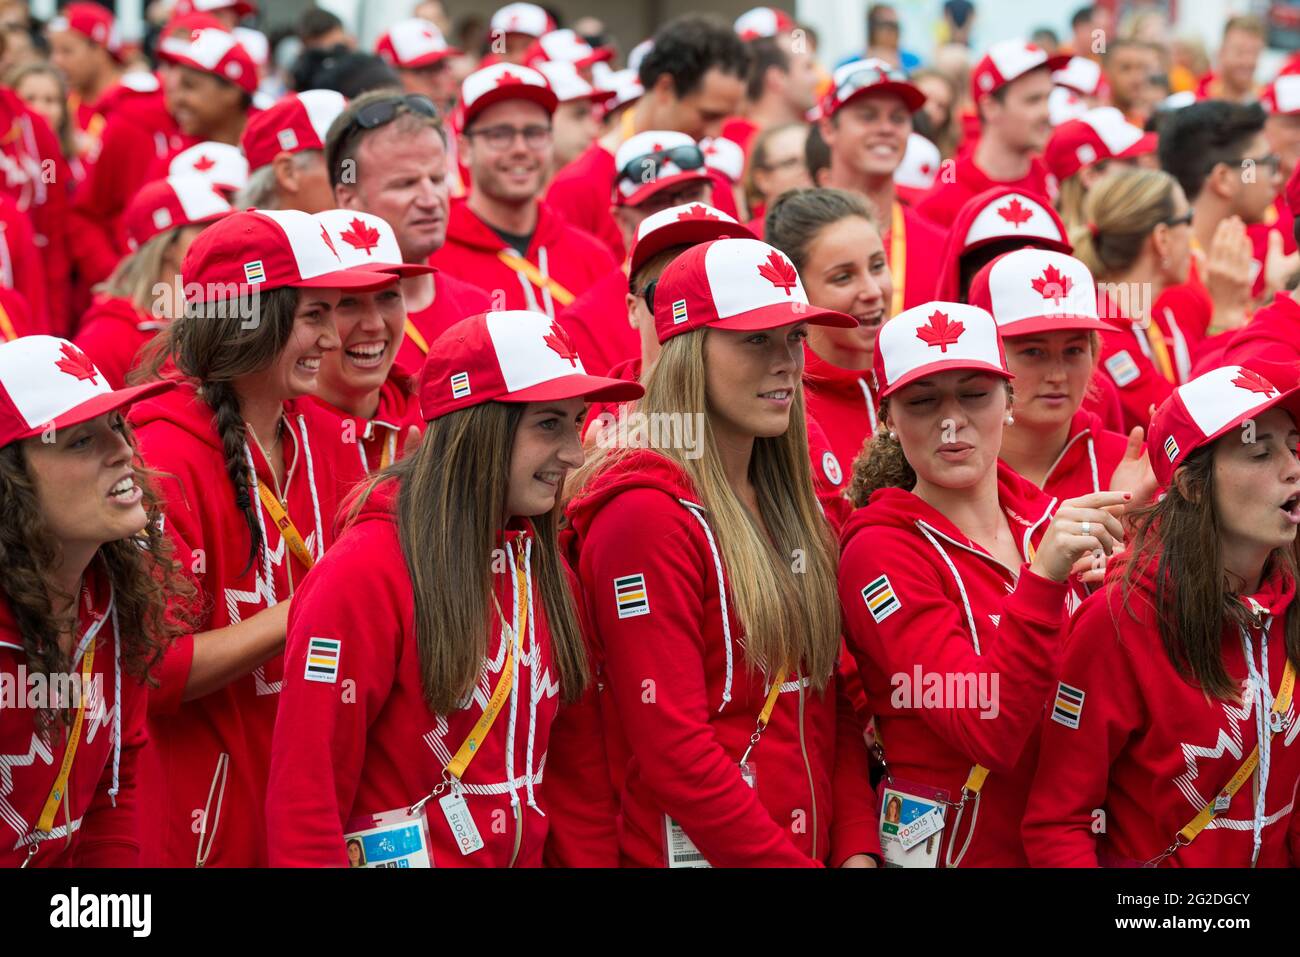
pixel 1015 213
pixel 75 364
pixel 325 235
pixel 360 236
pixel 1053 285
pixel 1252 381
pixel 941 331
pixel 778 271
pixel 559 343
pixel 698 211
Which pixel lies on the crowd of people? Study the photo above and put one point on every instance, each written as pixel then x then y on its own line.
pixel 494 455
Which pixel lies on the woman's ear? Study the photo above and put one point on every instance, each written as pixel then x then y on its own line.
pixel 1183 484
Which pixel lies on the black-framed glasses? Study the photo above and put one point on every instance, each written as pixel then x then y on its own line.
pixel 380 113
pixel 1183 220
pixel 501 137
pixel 1272 162
pixel 647 167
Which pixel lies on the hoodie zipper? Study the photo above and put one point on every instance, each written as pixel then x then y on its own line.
pixel 519 833
pixel 812 790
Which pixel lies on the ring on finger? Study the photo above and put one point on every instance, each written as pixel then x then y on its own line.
pixel 1086 528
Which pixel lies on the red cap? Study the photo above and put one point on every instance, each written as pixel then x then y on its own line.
pixel 512 356
pixel 92 21
pixel 46 382
pixel 655 160
pixel 735 284
pixel 1037 290
pixel 413 43
pixel 1282 96
pixel 500 82
pixel 933 338
pixel 684 225
pixel 1008 61
pixel 216 52
pixel 859 78
pixel 271 249
pixel 759 22
pixel 568 85
pixel 565 46
pixel 221 164
pixel 366 241
pixel 185 8
pixel 527 18
pixel 170 204
pixel 1008 214
pixel 184 27
pixel 1208 407
pixel 298 121
pixel 1099 134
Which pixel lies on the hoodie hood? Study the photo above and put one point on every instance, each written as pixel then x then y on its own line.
pixel 183 408
pixel 832 380
pixel 639 468
pixel 465 227
pixel 120 309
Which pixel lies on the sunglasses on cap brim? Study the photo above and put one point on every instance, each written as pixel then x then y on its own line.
pixel 382 112
pixel 888 81
pixel 685 157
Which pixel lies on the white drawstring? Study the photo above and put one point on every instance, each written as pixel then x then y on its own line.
pixel 532 646
pixel 1092 461
pixel 311 485
pixel 961 585
pixel 514 685
pixel 269 582
pixel 117 698
pixel 697 511
pixel 542 260
pixel 871 408
pixel 1263 707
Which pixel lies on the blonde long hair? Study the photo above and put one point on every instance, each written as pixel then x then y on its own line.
pixel 783 589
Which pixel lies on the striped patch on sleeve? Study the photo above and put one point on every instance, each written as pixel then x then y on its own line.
pixel 323 660
pixel 1122 368
pixel 880 598
pixel 630 596
pixel 1068 707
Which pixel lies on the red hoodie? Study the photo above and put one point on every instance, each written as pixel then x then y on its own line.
pixel 843 402
pixel 922 248
pixel 650 573
pixel 1088 461
pixel 1126 360
pixel 210 755
pixel 22 268
pixel 453 300
pixel 1183 313
pixel 1273 334
pixel 962 614
pixel 338 757
pixel 946 199
pixel 112 333
pixel 1140 749
pixel 101 793
pixel 559 251
pixel 597 323
pixel 381 439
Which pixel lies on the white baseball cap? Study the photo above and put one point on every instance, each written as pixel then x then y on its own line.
pixel 366 241
pixel 936 337
pixel 1037 290
pixel 500 82
pixel 222 165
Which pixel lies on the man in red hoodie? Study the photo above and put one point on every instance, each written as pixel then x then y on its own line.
pixel 693 78
pixel 1009 87
pixel 387 155
pixel 502 236
pixel 866 121
pixel 781 88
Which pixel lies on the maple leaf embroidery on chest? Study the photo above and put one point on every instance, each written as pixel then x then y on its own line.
pixel 1015 213
pixel 1252 381
pixel 360 236
pixel 76 364
pixel 778 271
pixel 1053 285
pixel 558 341
pixel 941 331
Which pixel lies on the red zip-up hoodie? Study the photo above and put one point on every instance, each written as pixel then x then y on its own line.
pixel 945 606
pixel 101 799
pixel 1126 361
pixel 1137 750
pixel 379 440
pixel 843 402
pixel 1273 334
pixel 453 300
pixel 1088 461
pixel 209 756
pixel 564 253
pixel 945 200
pixel 112 333
pixel 685 700
pixel 367 742
pixel 22 268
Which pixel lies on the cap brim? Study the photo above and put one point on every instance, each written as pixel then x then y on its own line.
pixel 1148 144
pixel 1056 323
pixel 598 55
pixel 99 405
pixel 429 59
pixel 968 365
pixel 662 183
pixel 355 279
pixel 578 386
pixel 686 232
pixel 912 96
pixel 402 270
pixel 784 314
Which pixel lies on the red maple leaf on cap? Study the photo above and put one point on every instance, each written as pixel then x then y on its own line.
pixel 360 236
pixel 778 271
pixel 75 363
pixel 204 163
pixel 698 211
pixel 1053 285
pixel 507 78
pixel 559 342
pixel 940 332
pixel 1252 381
pixel 325 235
pixel 1014 213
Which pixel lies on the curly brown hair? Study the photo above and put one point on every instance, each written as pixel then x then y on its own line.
pixel 144 577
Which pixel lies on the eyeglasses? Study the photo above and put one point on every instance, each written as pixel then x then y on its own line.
pixel 648 294
pixel 1183 220
pixel 502 137
pixel 380 113
pixel 647 167
pixel 1271 162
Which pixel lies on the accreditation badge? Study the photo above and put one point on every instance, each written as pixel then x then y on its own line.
pixel 911 823
pixel 679 849
pixel 391 839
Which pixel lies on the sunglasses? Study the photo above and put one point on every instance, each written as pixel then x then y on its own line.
pixel 864 78
pixel 646 168
pixel 380 113
pixel 1183 220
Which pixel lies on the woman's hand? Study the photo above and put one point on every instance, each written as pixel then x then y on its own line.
pixel 860 860
pixel 1134 473
pixel 1081 526
pixel 1227 274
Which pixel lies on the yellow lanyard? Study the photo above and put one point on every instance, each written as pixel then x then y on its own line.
pixel 7 326
pixel 414 335
pixel 386 449
pixel 533 275
pixel 288 531
pixel 46 820
pixel 1160 350
pixel 897 258
pixel 1280 704
pixel 478 734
